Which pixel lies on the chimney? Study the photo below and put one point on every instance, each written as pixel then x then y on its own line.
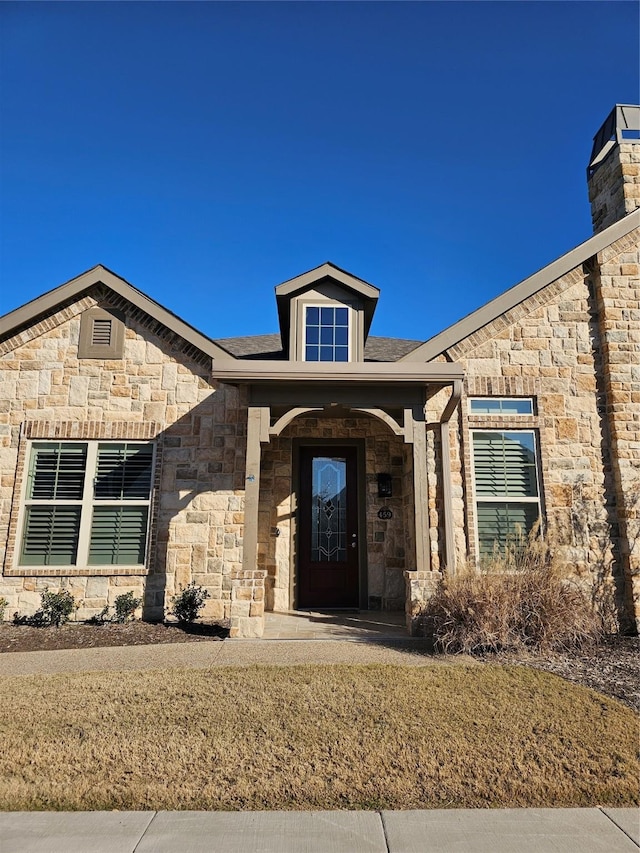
pixel 613 173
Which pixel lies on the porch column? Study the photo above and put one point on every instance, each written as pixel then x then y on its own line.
pixel 420 583
pixel 420 489
pixel 247 582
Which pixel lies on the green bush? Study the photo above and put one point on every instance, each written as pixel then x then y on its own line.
pixel 522 599
pixel 125 606
pixel 55 609
pixel 188 603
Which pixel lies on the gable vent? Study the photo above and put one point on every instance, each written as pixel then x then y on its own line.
pixel 101 333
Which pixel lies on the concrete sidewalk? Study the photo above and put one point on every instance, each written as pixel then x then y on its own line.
pixel 203 655
pixel 595 830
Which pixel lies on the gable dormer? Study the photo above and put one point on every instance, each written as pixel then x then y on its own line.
pixel 325 315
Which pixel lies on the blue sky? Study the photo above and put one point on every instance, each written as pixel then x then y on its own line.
pixel 208 151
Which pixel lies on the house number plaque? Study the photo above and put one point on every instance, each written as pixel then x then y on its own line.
pixel 385 513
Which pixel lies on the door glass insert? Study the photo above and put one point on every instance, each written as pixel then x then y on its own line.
pixel 329 509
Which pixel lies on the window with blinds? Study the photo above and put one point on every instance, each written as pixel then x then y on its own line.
pixel 87 504
pixel 506 487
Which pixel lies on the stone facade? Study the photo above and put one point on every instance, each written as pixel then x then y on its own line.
pixel 385 546
pixel 574 348
pixel 225 465
pixel 158 391
pixel 614 188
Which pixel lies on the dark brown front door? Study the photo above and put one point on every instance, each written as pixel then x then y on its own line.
pixel 328 524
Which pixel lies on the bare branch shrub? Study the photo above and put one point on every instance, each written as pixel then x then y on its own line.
pixel 522 599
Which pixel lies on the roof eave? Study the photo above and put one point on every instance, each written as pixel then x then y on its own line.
pixel 451 336
pixel 242 372
pixel 99 274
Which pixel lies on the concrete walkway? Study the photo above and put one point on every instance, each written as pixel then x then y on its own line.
pixel 593 830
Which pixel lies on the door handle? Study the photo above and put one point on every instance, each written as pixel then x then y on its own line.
pixel 354 536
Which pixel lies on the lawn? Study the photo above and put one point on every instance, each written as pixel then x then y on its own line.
pixel 313 737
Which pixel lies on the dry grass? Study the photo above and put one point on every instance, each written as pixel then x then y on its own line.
pixel 313 737
pixel 524 598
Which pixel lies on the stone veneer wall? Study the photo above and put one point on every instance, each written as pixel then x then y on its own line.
pixel 614 188
pixel 386 546
pixel 554 348
pixel 159 390
pixel 616 284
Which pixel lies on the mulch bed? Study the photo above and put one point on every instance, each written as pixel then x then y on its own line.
pixel 24 638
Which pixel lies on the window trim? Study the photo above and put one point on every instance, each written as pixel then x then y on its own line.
pixel 350 326
pixel 86 504
pixel 503 499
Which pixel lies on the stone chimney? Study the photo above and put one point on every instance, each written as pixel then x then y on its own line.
pixel 613 174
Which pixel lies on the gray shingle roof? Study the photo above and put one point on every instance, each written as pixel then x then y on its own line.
pixel 270 347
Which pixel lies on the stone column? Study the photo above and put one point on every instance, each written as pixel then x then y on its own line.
pixel 247 584
pixel 421 582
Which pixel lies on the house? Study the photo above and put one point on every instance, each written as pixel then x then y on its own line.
pixel 321 467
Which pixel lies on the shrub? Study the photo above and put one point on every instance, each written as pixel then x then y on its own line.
pixel 3 606
pixel 188 603
pixel 125 606
pixel 100 618
pixel 55 609
pixel 521 599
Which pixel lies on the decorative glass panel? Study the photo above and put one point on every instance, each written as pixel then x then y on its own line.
pixel 118 535
pixel 326 334
pixel 329 510
pixel 123 472
pixel 57 472
pixel 50 536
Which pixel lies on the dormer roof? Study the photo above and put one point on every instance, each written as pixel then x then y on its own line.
pixel 326 272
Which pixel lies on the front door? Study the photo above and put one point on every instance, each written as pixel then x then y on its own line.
pixel 328 523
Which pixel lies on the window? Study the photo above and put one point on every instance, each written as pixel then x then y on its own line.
pixel 506 487
pixel 501 406
pixel 326 333
pixel 87 504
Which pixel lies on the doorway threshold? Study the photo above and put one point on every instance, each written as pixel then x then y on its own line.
pixel 334 624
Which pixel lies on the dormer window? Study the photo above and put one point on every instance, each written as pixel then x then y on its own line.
pixel 326 333
pixel 325 315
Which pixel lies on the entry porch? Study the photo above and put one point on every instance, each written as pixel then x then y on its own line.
pixel 336 505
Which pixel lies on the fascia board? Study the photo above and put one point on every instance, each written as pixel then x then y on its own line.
pixel 451 336
pixel 101 275
pixel 336 372
pixel 309 278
